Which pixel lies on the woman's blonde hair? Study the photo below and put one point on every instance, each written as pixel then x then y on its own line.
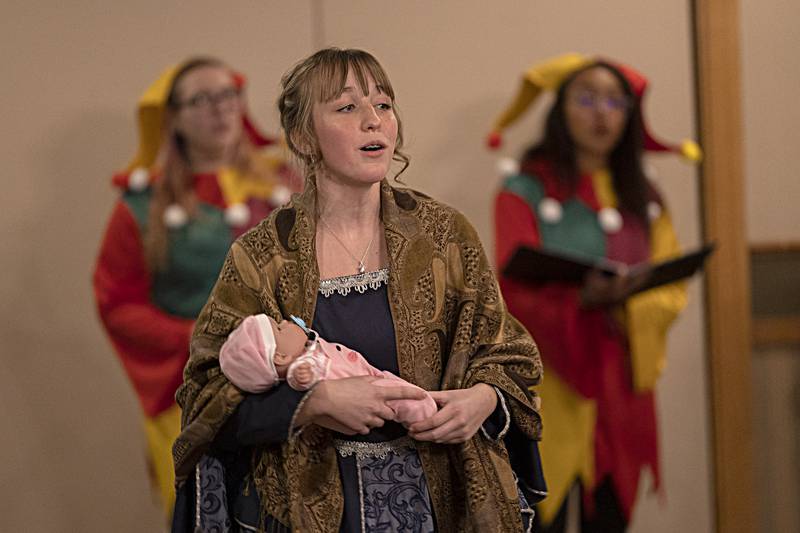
pixel 321 77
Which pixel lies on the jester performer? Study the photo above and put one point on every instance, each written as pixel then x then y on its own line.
pixel 203 174
pixel 582 189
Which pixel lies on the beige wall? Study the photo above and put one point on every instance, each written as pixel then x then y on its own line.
pixel 770 77
pixel 71 444
pixel 72 455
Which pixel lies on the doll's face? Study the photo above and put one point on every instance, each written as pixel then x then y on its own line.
pixel 290 341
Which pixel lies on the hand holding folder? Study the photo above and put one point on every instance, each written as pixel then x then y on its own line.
pixel 538 265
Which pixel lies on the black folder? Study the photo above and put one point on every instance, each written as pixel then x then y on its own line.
pixel 537 265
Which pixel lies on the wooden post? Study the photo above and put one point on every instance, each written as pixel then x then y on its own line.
pixel 717 33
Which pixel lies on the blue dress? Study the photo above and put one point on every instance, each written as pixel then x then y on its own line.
pixel 382 479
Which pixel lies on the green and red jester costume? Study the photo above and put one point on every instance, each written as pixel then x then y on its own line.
pixel 602 365
pixel 149 316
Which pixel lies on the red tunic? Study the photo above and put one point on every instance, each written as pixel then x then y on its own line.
pixel 152 344
pixel 586 349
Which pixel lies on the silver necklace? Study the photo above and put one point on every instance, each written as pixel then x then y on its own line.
pixel 361 267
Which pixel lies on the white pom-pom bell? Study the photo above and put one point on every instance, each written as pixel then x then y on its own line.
pixel 550 210
pixel 650 170
pixel 175 216
pixel 281 195
pixel 653 210
pixel 507 166
pixel 138 179
pixel 237 215
pixel 610 220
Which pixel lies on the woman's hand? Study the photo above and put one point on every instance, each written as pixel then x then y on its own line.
pixel 461 413
pixel 353 405
pixel 601 290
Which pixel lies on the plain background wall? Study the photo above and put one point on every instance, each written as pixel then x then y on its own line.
pixel 72 450
pixel 770 77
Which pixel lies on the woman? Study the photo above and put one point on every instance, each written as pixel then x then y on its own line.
pixel 582 190
pixel 200 178
pixel 392 274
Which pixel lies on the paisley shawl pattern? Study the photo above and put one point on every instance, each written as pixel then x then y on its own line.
pixel 452 330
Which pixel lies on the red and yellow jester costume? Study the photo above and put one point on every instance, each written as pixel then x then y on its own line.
pixel 601 365
pixel 149 316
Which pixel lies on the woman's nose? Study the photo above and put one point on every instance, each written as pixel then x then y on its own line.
pixel 370 119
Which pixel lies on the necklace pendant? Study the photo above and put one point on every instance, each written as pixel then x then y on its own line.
pixel 361 268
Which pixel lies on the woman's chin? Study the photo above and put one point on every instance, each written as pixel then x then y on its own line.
pixel 367 179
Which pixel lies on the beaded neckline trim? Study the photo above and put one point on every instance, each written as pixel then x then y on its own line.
pixel 358 282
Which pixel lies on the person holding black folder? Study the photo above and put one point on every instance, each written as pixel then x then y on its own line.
pixel 581 193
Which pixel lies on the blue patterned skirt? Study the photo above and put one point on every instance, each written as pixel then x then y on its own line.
pixel 388 492
pixel 383 484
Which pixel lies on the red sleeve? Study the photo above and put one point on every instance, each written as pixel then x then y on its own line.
pixel 152 344
pixel 564 332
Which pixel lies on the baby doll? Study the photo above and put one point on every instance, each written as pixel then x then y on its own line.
pixel 261 352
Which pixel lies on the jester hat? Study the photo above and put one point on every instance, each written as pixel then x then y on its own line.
pixel 152 112
pixel 551 74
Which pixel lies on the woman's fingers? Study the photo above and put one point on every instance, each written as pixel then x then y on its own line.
pixel 384 412
pixel 359 405
pixel 461 414
pixel 370 423
pixel 450 432
pixel 440 397
pixel 351 429
pixel 400 392
pixel 333 424
pixel 376 422
pixel 442 417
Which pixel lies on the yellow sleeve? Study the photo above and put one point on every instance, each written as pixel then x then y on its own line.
pixel 649 314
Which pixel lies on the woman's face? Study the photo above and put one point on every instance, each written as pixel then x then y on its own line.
pixel 209 111
pixel 596 110
pixel 356 133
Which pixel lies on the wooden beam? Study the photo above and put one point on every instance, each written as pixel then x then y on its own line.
pixel 776 331
pixel 728 282
pixel 776 247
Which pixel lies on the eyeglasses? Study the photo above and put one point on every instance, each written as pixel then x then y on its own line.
pixel 592 100
pixel 206 99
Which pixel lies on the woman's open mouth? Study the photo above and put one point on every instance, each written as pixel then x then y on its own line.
pixel 373 147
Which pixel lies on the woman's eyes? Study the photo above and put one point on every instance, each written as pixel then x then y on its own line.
pixel 384 106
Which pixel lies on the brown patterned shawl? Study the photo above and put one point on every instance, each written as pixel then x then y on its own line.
pixel 452 329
